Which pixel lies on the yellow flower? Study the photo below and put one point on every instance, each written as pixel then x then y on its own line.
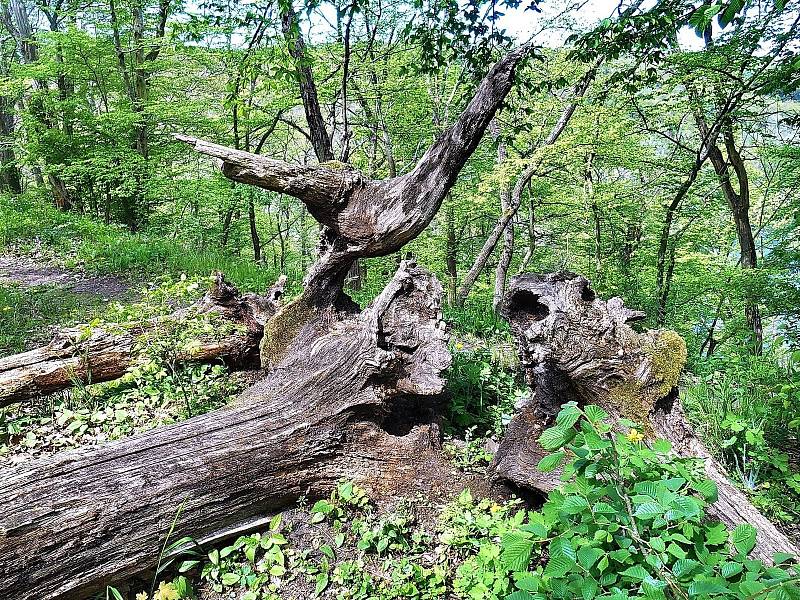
pixel 635 436
pixel 166 591
pixel 459 346
pixel 141 596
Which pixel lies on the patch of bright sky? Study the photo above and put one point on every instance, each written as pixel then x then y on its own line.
pixel 550 27
pixel 562 20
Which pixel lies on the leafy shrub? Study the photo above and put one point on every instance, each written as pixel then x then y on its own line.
pixel 630 523
pixel 745 408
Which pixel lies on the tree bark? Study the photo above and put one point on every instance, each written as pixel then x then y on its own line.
pixel 574 346
pixel 315 418
pixel 360 217
pixel 10 178
pixel 739 204
pixel 109 351
pixel 320 139
pixel 72 523
pixel 507 251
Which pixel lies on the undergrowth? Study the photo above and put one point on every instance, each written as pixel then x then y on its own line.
pixel 628 522
pixel 160 386
pixel 746 410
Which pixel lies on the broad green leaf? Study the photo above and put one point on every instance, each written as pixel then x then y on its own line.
pixel 707 489
pixel 554 438
pixel 562 547
pixel 648 510
pixel 637 572
pixel 574 504
pixel 521 595
pixel 730 568
pixel 551 461
pixel 568 415
pixel 587 556
pixel 744 538
pixel 707 587
pixel 662 446
pixel 684 567
pixel 516 551
pixel 595 413
pixel 322 583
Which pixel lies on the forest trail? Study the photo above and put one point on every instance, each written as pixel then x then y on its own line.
pixel 30 272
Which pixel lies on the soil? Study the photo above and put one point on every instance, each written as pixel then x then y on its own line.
pixel 29 272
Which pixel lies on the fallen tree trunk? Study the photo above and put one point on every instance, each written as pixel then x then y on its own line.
pixel 71 523
pixel 575 346
pixel 85 355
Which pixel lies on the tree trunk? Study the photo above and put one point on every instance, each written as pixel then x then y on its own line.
pixel 10 178
pixel 251 218
pixel 320 139
pixel 507 251
pixel 108 352
pixel 574 346
pixel 739 204
pixel 516 196
pixel 68 524
pixel 72 523
pixel 451 252
pixel 339 197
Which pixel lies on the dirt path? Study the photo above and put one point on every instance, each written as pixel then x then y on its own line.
pixel 29 272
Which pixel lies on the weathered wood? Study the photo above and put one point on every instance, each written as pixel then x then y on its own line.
pixel 70 523
pixel 110 350
pixel 575 346
pixel 361 217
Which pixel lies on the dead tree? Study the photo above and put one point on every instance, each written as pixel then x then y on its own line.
pixel 71 523
pixel 74 522
pixel 575 346
pixel 86 355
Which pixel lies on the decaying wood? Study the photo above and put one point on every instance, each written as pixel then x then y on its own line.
pixel 361 217
pixel 71 522
pixel 110 350
pixel 575 346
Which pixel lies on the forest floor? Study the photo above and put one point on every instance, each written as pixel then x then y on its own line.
pixel 29 271
pixel 353 545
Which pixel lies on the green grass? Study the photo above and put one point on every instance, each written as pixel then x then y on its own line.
pixel 26 314
pixel 99 248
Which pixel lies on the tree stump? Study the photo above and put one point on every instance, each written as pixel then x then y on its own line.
pixel 576 347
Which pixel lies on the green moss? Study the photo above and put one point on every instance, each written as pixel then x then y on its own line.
pixel 335 165
pixel 282 329
pixel 667 356
pixel 634 400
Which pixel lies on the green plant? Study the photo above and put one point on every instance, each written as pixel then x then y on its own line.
pixel 745 409
pixel 255 564
pixel 391 533
pixel 470 455
pixel 345 496
pixel 482 391
pixel 630 522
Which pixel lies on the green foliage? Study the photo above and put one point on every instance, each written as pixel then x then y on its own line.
pixel 630 522
pixel 482 388
pixel 745 408
pixel 26 314
pixel 158 389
